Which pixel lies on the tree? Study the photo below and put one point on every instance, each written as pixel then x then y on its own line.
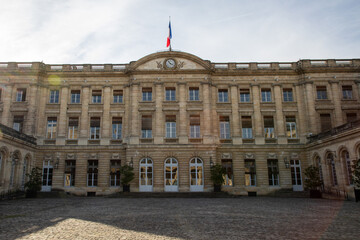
pixel 33 185
pixel 217 176
pixel 312 178
pixel 356 173
pixel 127 174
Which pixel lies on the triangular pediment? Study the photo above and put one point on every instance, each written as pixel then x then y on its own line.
pixel 178 61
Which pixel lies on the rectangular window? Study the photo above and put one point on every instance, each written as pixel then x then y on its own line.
pixel 73 128
pixel 321 92
pixel 347 92
pixel 224 127
pixel 92 173
pixel 117 96
pixel 70 166
pixel 291 127
pixel 21 95
pixel 147 94
pixel 266 95
pixel 96 96
pixel 245 95
pixel 54 96
pixel 75 96
pixel 228 176
pixel 250 172
pixel 223 95
pixel 246 127
pixel 194 126
pixel 273 172
pixel 95 128
pixel 288 95
pixel 18 123
pixel 194 94
pixel 170 126
pixel 51 128
pixel 146 126
pixel 325 121
pixel 351 117
pixel 116 127
pixel 170 94
pixel 269 127
pixel 115 173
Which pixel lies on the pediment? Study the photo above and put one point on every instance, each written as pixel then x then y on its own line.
pixel 183 61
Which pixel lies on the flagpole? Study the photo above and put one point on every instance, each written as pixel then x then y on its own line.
pixel 170 39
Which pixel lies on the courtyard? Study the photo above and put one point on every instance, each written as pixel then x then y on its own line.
pixel 179 218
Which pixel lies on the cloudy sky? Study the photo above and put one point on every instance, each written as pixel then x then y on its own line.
pixel 120 31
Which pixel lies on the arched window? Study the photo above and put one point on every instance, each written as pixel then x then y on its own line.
pixel 331 161
pixel 171 175
pixel 146 175
pixel 345 157
pixel 196 175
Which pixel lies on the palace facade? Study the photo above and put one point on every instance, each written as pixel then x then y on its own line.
pixel 171 115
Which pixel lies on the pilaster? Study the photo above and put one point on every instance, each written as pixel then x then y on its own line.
pixel 106 121
pixel 134 129
pixel 84 122
pixel 337 102
pixel 207 120
pixel 60 140
pixel 7 104
pixel 183 137
pixel 159 118
pixel 259 138
pixel 279 115
pixel 311 113
pixel 235 122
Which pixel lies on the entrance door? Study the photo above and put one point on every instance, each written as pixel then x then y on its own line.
pixel 47 176
pixel 196 175
pixel 171 175
pixel 146 175
pixel 296 175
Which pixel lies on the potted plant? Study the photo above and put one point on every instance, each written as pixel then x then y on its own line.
pixel 356 179
pixel 217 176
pixel 127 175
pixel 313 181
pixel 34 184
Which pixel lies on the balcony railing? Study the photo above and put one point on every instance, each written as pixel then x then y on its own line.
pixel 13 133
pixel 334 131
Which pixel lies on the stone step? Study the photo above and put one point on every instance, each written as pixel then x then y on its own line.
pixel 172 195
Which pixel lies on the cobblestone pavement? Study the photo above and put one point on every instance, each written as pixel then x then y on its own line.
pixel 179 218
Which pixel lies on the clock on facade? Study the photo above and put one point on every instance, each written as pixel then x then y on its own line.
pixel 170 63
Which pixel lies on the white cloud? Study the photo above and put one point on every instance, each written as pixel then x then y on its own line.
pixel 113 31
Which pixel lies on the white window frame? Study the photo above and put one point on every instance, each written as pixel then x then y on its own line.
pixel 194 94
pixel 94 132
pixel 224 130
pixel 116 130
pixel 194 131
pixel 170 94
pixel 146 133
pixel 266 95
pixel 170 129
pixel 291 126
pixel 54 96
pixel 223 95
pixel 51 125
pixel 247 133
pixel 75 97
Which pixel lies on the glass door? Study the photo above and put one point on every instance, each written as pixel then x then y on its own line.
pixel 296 175
pixel 146 175
pixel 171 175
pixel 196 175
pixel 47 176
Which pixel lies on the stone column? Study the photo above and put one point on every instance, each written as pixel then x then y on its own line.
pixel 311 112
pixel 31 116
pixel 127 115
pixel 335 88
pixel 357 82
pixel 106 121
pixel 215 117
pixel 235 122
pixel 134 123
pixel 7 100
pixel 84 122
pixel 183 137
pixel 41 124
pixel 60 140
pixel 280 129
pixel 207 120
pixel 258 129
pixel 301 125
pixel 159 117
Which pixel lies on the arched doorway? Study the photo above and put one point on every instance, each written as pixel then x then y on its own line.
pixel 146 175
pixel 171 175
pixel 196 175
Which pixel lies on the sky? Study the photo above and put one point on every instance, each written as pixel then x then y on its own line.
pixel 121 31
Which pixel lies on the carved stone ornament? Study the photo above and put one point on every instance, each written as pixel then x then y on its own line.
pixel 226 156
pixel 48 156
pixel 249 156
pixel 115 156
pixel 93 156
pixel 294 156
pixel 71 156
pixel 272 156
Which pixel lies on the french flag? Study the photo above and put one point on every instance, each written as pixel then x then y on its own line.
pixel 169 37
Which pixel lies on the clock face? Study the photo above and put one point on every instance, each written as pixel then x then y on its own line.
pixel 170 63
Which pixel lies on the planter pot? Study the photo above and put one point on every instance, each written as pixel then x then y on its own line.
pixel 357 194
pixel 217 188
pixel 315 194
pixel 30 194
pixel 126 188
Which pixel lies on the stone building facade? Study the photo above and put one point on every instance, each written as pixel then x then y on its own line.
pixel 172 115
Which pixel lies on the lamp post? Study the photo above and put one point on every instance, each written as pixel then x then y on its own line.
pixel 286 162
pixel 211 162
